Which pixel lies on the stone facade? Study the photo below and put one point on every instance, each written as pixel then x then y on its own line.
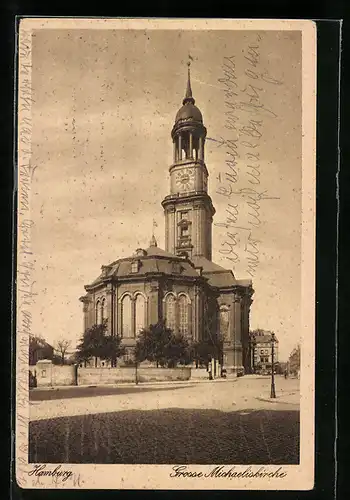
pixel 180 284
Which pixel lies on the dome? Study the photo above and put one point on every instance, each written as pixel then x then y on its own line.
pixel 189 111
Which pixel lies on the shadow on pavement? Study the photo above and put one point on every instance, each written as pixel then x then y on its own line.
pixel 169 436
pixel 47 394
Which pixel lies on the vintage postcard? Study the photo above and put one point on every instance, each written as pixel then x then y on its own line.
pixel 165 289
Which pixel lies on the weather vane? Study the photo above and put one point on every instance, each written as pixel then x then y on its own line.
pixel 154 225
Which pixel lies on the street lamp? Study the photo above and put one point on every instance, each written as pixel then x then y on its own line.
pixel 253 345
pixel 273 389
pixel 136 375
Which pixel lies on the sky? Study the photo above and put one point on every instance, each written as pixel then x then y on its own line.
pixel 104 106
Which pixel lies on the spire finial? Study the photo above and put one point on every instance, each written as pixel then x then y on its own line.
pixel 188 95
pixel 153 242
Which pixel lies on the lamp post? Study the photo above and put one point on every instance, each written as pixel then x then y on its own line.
pixel 253 345
pixel 136 377
pixel 273 389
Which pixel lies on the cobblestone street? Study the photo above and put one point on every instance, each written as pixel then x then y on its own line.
pixel 223 421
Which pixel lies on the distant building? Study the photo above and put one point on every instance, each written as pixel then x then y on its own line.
pixel 39 349
pixel 261 351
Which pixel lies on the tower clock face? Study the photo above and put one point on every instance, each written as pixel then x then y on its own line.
pixel 185 179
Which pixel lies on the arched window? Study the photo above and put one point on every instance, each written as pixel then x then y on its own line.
pixel 126 312
pixel 170 313
pixel 183 315
pixel 224 322
pixel 103 310
pixel 98 313
pixel 139 313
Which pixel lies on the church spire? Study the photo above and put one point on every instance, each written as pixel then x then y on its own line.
pixel 153 242
pixel 188 209
pixel 188 96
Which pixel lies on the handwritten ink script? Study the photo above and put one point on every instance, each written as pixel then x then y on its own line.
pixel 228 472
pixel 241 179
pixel 25 295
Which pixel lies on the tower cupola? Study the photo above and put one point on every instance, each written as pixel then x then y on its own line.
pixel 188 133
pixel 188 208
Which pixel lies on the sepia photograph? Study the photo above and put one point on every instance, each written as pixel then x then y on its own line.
pixel 165 254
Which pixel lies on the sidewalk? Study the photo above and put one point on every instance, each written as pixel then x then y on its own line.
pixel 223 395
pixel 161 383
pixel 78 401
pixel 290 398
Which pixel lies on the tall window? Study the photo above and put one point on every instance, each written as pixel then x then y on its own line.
pixel 139 313
pixel 103 310
pixel 183 315
pixel 170 316
pixel 98 313
pixel 126 311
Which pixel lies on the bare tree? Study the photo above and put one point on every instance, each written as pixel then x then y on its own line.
pixel 62 346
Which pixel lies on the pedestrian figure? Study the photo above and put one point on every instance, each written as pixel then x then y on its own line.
pixel 285 374
pixel 210 372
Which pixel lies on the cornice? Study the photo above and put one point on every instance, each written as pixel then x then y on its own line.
pixel 189 162
pixel 189 124
pixel 200 197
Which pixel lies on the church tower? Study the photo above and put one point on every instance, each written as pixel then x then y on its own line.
pixel 188 208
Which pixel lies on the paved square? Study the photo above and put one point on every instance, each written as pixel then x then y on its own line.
pixel 224 421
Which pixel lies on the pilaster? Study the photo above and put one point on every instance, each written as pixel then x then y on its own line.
pixel 154 307
pixel 190 321
pixel 238 323
pixel 170 242
pixel 109 306
pixel 133 316
pixel 92 312
pixel 196 335
pixel 86 306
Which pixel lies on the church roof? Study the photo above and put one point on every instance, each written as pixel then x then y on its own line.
pixel 221 279
pixel 208 265
pixel 158 261
pixel 244 282
pixel 154 251
pixel 150 260
pixel 217 276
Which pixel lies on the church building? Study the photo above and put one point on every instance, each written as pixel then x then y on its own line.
pixel 181 284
